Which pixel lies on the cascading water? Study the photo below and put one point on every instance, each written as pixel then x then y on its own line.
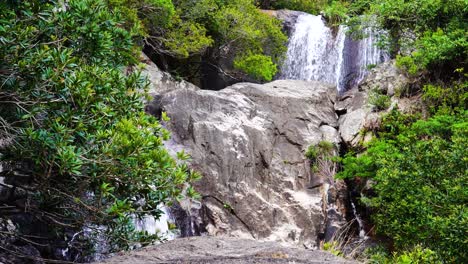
pixel 316 53
pixel 362 231
pixel 156 226
pixel 311 51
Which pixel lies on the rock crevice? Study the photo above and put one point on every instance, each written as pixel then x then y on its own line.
pixel 249 140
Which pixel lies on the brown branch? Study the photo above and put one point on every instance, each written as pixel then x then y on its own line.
pixel 21 255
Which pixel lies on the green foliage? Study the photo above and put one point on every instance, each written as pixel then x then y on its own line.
pixel 312 152
pixel 332 247
pixel 420 174
pixel 436 49
pixel 234 29
pixel 378 100
pixel 322 158
pixel 336 12
pixel 75 107
pixel 322 148
pixel 145 14
pixel 326 146
pixel 446 99
pixel 417 255
pixel 258 66
pixel 257 38
pixel 431 34
pixel 408 64
pixel 185 39
pixel 312 7
pixel 420 15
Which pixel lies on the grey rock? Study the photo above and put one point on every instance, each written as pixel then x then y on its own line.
pixel 214 250
pixel 330 134
pixel 354 104
pixel 248 141
pixel 160 81
pixel 385 77
pixel 356 112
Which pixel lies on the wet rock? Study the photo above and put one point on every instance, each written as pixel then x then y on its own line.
pixel 13 250
pixel 214 250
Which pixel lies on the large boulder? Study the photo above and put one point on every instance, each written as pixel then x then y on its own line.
pixel 248 141
pixel 212 250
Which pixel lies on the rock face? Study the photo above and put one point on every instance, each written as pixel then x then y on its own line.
pixel 211 250
pixel 161 81
pixel 357 113
pixel 385 77
pixel 354 108
pixel 12 250
pixel 248 141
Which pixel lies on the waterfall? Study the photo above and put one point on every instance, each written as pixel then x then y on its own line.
pixel 316 53
pixel 156 226
pixel 311 51
pixel 362 231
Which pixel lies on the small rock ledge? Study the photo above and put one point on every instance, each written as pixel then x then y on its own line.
pixel 214 250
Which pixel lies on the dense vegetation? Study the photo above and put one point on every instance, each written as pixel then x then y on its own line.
pixel 426 35
pixel 194 32
pixel 420 176
pixel 418 163
pixel 83 152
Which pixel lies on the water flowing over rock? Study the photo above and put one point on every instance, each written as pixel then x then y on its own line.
pixel 212 250
pixel 248 141
pixel 156 226
pixel 316 52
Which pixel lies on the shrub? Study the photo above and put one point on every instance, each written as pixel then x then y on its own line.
pixel 419 170
pixel 378 100
pixel 446 98
pixel 336 13
pixel 84 149
pixel 312 7
pixel 407 64
pixel 322 158
pixel 436 50
pixel 258 66
pixel 417 255
pixel 249 36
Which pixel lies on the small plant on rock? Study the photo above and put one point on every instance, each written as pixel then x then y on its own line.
pixel 379 100
pixel 322 159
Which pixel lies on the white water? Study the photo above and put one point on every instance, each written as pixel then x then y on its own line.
pixel 311 51
pixel 156 226
pixel 362 231
pixel 316 53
